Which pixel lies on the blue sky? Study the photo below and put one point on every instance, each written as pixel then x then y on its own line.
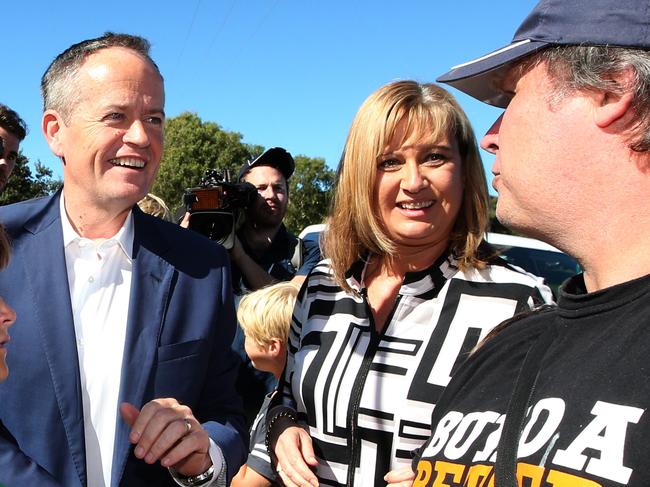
pixel 284 73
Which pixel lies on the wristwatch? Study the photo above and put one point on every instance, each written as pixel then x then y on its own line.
pixel 196 480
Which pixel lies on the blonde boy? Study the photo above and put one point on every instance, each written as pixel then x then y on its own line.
pixel 264 316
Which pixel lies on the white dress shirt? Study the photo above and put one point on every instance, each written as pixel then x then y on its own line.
pixel 99 276
pixel 99 279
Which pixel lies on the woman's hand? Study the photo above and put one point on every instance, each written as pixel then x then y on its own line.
pixel 400 477
pixel 295 457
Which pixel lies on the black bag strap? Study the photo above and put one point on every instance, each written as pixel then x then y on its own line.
pixel 505 469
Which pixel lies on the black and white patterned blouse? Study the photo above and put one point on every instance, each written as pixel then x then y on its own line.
pixel 367 397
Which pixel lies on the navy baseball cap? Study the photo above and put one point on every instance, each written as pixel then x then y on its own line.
pixel 276 157
pixel 624 23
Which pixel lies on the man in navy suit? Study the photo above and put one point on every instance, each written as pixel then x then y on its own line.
pixel 121 370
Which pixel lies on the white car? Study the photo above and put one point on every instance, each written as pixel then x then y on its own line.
pixel 532 255
pixel 536 257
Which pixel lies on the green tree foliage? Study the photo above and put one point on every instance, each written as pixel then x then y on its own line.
pixel 23 185
pixel 309 194
pixel 191 147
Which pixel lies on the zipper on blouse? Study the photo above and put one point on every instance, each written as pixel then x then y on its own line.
pixel 360 381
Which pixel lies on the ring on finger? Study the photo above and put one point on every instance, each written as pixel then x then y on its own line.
pixel 188 425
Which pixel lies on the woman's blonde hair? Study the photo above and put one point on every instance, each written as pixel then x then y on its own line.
pixel 266 313
pixel 355 227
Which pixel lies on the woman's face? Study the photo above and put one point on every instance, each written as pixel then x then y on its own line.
pixel 419 188
pixel 7 318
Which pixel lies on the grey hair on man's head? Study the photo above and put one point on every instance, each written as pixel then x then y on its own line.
pixel 58 86
pixel 595 68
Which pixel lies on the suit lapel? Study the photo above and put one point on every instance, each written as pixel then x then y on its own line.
pixel 47 276
pixel 151 281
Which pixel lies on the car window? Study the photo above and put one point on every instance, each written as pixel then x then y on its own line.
pixel 554 267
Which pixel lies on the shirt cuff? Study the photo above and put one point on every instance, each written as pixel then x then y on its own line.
pixel 219 464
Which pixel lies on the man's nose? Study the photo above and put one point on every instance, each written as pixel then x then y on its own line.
pixel 7 314
pixel 490 141
pixel 137 134
pixel 269 193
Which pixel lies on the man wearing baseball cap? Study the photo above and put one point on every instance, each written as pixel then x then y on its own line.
pixel 265 252
pixel 264 248
pixel 560 397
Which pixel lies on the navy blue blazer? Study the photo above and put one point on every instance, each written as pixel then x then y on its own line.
pixel 180 326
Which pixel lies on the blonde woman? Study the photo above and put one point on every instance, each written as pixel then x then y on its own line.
pixel 407 289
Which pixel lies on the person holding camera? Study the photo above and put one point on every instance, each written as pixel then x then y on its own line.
pixel 264 251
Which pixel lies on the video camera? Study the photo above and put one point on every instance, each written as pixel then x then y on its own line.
pixel 216 206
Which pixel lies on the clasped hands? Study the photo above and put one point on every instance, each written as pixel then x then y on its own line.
pixel 167 431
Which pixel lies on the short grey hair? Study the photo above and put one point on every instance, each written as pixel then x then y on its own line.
pixel 593 68
pixel 58 84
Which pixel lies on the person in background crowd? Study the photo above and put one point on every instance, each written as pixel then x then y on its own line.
pixel 561 397
pixel 156 206
pixel 265 252
pixel 122 314
pixel 12 132
pixel 264 249
pixel 409 288
pixel 264 316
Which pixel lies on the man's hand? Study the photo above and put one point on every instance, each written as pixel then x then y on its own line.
pixel 167 431
pixel 237 251
pixel 185 222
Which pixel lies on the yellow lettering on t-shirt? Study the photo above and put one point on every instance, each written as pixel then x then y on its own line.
pixel 532 473
pixel 445 468
pixel 561 479
pixel 423 474
pixel 478 474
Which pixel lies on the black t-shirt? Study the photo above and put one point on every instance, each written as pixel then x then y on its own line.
pixel 586 421
pixel 277 258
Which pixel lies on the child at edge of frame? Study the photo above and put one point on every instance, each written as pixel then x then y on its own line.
pixel 264 316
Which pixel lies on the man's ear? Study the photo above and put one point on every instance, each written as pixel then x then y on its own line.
pixel 51 124
pixel 613 107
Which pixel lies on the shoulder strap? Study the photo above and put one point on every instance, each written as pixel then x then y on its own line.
pixel 505 469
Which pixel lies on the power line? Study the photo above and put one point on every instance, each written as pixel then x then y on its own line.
pixel 189 31
pixel 222 25
pixel 251 36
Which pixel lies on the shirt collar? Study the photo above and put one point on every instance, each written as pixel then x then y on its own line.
pixel 124 236
pixel 434 276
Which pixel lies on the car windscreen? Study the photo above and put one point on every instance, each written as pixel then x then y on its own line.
pixel 554 267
